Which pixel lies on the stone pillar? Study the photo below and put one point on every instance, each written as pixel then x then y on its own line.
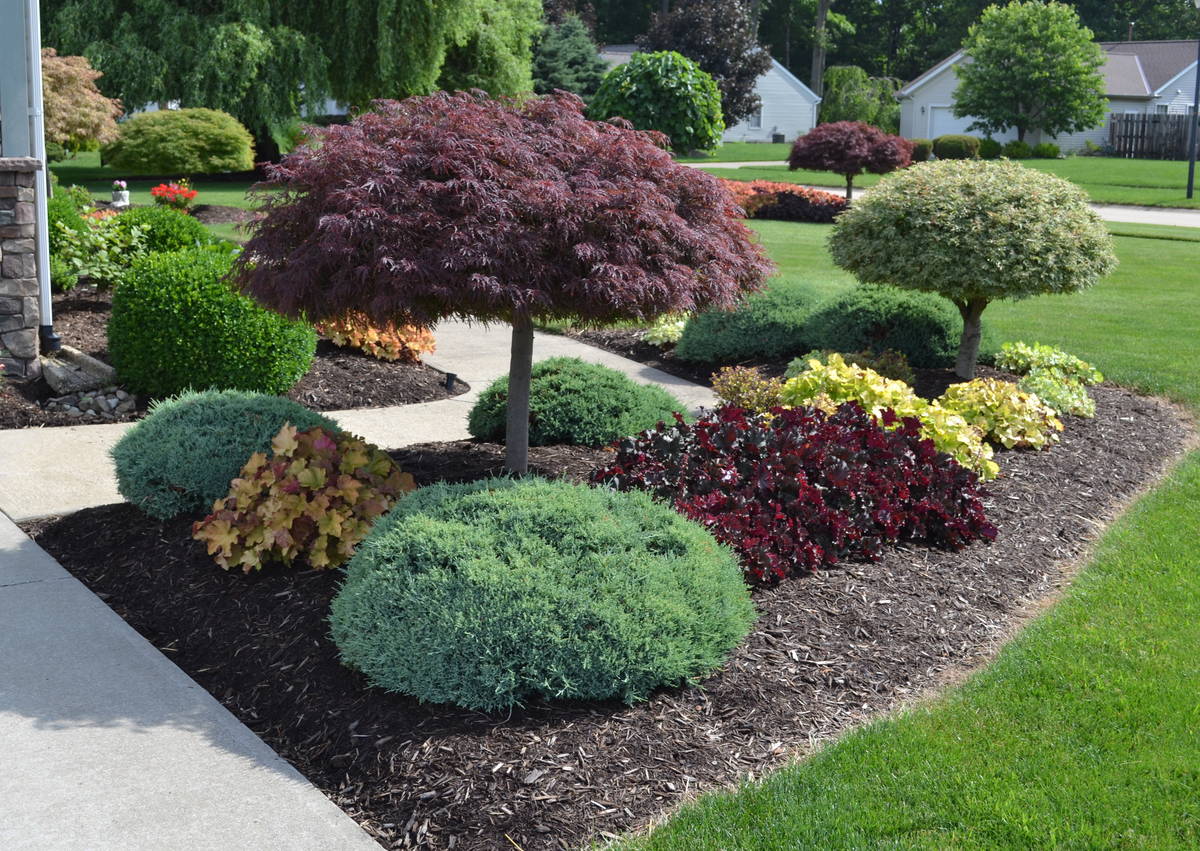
pixel 18 268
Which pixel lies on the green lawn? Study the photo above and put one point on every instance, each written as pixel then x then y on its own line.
pixel 85 170
pixel 1154 183
pixel 742 152
pixel 1085 732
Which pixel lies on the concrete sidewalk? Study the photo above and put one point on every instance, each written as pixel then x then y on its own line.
pixel 47 471
pixel 105 744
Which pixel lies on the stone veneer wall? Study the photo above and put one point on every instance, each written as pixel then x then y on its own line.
pixel 18 268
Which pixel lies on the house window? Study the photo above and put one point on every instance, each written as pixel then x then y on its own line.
pixel 1162 108
pixel 755 120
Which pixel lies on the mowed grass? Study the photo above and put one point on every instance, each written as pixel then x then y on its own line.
pixel 1085 732
pixel 741 152
pixel 85 170
pixel 1107 180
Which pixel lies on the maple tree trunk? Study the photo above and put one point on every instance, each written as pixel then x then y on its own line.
pixel 849 187
pixel 520 364
pixel 968 346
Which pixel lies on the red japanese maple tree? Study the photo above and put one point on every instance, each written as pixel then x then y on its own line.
pixel 849 148
pixel 499 210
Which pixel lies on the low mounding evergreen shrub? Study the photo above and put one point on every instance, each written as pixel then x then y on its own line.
pixel 956 146
pixel 990 149
pixel 922 149
pixel 181 141
pixel 164 229
pixel 176 324
pixel 923 327
pixel 183 455
pixel 313 500
pixel 802 489
pixel 768 325
pixel 1046 151
pixel 574 402
pixel 488 593
pixel 1018 150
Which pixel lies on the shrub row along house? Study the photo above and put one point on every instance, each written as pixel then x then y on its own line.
pixel 1140 78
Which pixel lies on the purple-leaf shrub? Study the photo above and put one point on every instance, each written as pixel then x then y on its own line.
pixel 850 148
pixel 800 489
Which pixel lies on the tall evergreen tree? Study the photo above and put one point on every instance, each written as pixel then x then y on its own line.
pixel 566 58
pixel 721 36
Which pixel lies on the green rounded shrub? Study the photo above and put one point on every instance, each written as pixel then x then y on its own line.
pixel 990 149
pixel 488 593
pixel 181 142
pixel 1046 151
pixel 766 326
pixel 165 229
pixel 956 146
pixel 922 327
pixel 1018 150
pixel 183 455
pixel 177 324
pixel 575 402
pixel 922 149
pixel 667 92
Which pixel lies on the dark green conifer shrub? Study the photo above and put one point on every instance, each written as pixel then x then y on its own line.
pixel 766 326
pixel 923 327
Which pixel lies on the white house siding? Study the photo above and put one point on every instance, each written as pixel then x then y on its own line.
pixel 1098 135
pixel 1177 95
pixel 785 109
pixel 929 111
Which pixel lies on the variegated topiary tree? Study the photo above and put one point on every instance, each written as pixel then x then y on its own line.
pixel 498 210
pixel 974 232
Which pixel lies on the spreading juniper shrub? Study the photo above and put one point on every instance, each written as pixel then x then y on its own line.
pixel 800 489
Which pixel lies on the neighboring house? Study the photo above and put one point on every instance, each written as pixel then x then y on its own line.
pixel 789 108
pixel 1139 77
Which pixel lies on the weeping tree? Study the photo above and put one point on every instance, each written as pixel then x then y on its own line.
pixel 974 232
pixel 495 210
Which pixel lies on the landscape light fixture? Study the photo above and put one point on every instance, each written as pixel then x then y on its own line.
pixel 1195 119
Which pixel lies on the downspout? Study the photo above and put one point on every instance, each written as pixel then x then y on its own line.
pixel 37 141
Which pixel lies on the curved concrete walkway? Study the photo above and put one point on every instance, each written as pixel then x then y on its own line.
pixel 104 743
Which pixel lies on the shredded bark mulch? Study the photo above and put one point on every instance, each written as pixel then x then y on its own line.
pixel 219 214
pixel 340 378
pixel 828 651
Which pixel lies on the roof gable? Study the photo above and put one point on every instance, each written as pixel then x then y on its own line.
pixel 1162 61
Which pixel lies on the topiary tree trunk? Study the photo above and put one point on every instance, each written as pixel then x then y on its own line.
pixel 968 347
pixel 520 367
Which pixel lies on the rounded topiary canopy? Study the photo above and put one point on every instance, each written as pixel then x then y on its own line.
pixel 974 231
pixel 461 205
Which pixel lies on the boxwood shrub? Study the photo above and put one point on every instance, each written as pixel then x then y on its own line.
pixel 183 455
pixel 956 146
pixel 489 593
pixel 768 325
pixel 922 149
pixel 574 402
pixel 176 324
pixel 925 328
pixel 165 229
pixel 990 149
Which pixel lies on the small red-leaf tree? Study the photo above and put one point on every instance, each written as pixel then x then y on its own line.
pixel 497 210
pixel 849 148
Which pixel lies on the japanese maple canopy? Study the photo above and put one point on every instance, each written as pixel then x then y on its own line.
pixel 850 148
pixel 461 205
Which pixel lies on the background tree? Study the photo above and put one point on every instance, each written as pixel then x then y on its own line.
pixel 76 113
pixel 1034 66
pixel 237 56
pixel 566 58
pixel 849 148
pixel 852 95
pixel 667 92
pixel 498 210
pixel 721 36
pixel 622 21
pixel 1153 19
pixel 498 57
pixel 974 231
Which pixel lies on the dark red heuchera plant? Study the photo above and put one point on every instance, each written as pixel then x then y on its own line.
pixel 512 210
pixel 849 148
pixel 801 489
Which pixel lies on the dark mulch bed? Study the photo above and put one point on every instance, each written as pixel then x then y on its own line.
pixel 340 378
pixel 828 650
pixel 219 214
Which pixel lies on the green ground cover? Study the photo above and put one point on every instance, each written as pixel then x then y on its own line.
pixel 1107 180
pixel 1085 732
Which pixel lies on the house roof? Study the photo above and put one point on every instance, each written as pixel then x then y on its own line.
pixel 618 54
pixel 1131 69
pixel 1162 61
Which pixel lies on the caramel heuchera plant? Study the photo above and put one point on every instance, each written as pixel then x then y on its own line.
pixel 315 498
pixel 389 342
pixel 498 210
